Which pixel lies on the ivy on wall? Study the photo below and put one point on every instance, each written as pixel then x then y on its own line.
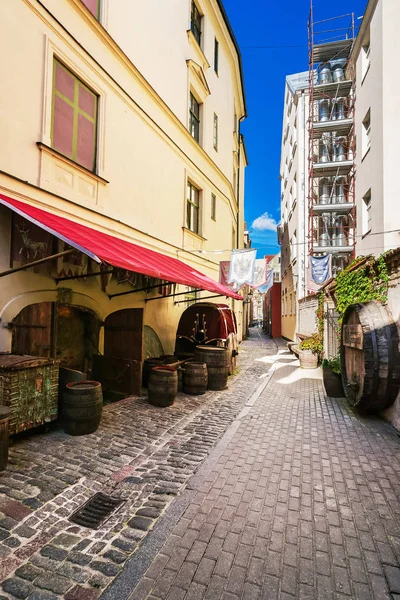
pixel 368 281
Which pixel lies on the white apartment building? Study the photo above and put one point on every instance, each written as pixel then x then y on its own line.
pixel 293 227
pixel 376 56
pixel 121 142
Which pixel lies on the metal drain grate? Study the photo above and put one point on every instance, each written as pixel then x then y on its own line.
pixel 95 511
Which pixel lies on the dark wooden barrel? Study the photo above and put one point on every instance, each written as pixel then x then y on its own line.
pixel 195 378
pixel 217 361
pixel 370 359
pixel 83 405
pixel 148 364
pixel 4 435
pixel 163 385
pixel 66 376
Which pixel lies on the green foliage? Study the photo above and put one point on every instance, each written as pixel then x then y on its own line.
pixel 334 363
pixel 367 282
pixel 313 343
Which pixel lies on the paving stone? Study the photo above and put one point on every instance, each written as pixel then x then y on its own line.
pixel 81 593
pixel 28 571
pixel 32 503
pixel 393 578
pixel 17 587
pixel 54 553
pixel 124 545
pixel 108 569
pixel 142 523
pixel 53 582
pixel 79 558
pixel 42 595
pixel 65 540
pixel 25 531
pixel 115 556
pixel 8 523
pixel 12 542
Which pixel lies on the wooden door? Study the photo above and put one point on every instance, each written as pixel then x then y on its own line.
pixel 32 330
pixel 123 339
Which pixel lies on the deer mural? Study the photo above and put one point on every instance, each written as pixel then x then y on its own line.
pixel 30 246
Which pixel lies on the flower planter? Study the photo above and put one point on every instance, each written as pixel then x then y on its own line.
pixel 308 359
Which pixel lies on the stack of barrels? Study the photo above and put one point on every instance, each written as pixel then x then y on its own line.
pixel 208 370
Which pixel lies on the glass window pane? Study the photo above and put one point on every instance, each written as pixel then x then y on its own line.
pixel 63 124
pixel 87 101
pixel 85 149
pixel 64 82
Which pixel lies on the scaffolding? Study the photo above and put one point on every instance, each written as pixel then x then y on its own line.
pixel 331 177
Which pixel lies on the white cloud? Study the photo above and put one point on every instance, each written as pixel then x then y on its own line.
pixel 264 223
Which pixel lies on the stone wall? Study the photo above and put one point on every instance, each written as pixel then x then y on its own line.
pixel 307 324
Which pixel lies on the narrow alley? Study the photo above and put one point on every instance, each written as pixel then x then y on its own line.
pixel 269 489
pixel 300 499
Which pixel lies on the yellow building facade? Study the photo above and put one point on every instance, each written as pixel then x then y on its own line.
pixel 125 120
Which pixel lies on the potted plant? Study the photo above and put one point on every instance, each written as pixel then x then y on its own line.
pixel 311 349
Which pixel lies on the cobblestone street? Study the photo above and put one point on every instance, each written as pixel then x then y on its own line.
pixel 144 454
pixel 300 499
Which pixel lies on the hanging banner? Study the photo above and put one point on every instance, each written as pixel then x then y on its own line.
pixel 269 282
pixel 242 267
pixel 260 272
pixel 320 270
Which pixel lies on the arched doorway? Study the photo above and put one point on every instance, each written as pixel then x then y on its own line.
pixel 67 333
pixel 120 369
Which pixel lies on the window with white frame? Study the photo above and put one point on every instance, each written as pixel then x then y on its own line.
pixel 366 133
pixel 193 208
pixel 366 213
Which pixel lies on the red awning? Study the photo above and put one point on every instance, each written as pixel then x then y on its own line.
pixel 106 248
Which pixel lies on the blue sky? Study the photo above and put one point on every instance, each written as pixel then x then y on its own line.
pixel 271 23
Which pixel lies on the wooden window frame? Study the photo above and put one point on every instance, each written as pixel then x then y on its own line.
pixel 194 119
pixel 77 111
pixel 195 22
pixel 213 207
pixel 193 208
pixel 216 55
pixel 215 132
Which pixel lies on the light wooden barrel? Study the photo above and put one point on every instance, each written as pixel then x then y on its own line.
pixel 370 358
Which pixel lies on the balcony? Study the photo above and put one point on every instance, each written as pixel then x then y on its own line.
pixel 332 169
pixel 339 207
pixel 335 89
pixel 340 127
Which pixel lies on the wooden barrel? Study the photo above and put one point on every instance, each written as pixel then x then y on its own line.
pixel 148 364
pixel 370 359
pixel 66 376
pixel 217 361
pixel 83 405
pixel 195 378
pixel 4 435
pixel 163 385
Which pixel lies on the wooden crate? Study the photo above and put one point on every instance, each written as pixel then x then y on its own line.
pixel 29 387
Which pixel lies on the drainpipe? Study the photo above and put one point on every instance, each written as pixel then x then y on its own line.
pixel 238 185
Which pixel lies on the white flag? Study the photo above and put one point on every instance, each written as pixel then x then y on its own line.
pixel 242 266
